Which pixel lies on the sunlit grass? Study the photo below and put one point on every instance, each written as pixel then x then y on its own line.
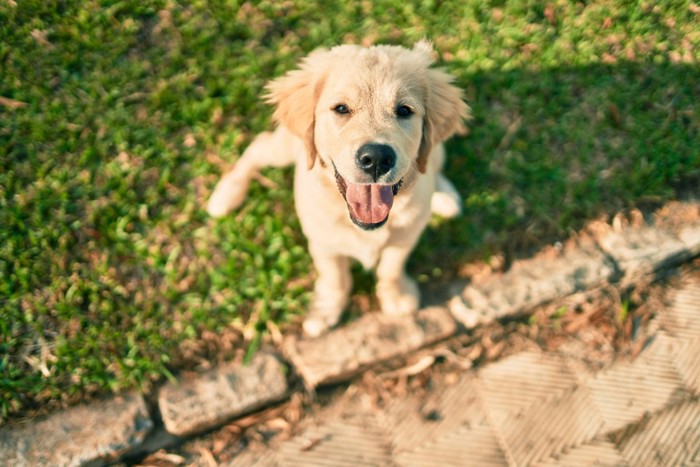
pixel 117 120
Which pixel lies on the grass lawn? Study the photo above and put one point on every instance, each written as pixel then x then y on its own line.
pixel 116 119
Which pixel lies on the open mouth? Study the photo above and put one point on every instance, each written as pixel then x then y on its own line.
pixel 368 204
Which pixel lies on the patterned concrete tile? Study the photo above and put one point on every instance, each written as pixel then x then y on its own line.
pixel 451 428
pixel 682 317
pixel 627 391
pixel 669 439
pixel 681 341
pixel 413 422
pixel 338 443
pixel 596 453
pixel 467 445
pixel 687 362
pixel 551 427
pixel 516 383
pixel 250 458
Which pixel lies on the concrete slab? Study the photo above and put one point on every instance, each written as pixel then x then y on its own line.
pixel 683 219
pixel 596 453
pixel 669 439
pixel 681 338
pixel 550 427
pixel 194 405
pixel 682 317
pixel 512 386
pixel 451 429
pixel 690 235
pixel 418 424
pixel 250 458
pixel 550 275
pixel 644 250
pixel 627 391
pixel 87 434
pixel 467 445
pixel 372 339
pixel 686 361
pixel 353 442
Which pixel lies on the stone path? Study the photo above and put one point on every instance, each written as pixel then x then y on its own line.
pixel 533 408
pixel 529 409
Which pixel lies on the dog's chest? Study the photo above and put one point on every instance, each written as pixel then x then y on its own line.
pixel 334 233
pixel 366 247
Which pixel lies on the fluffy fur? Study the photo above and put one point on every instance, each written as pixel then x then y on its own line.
pixel 328 111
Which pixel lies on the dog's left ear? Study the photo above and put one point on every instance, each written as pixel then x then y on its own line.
pixel 295 95
pixel 445 112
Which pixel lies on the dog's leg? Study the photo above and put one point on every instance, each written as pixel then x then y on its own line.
pixel 331 292
pixel 269 149
pixel 397 293
pixel 446 201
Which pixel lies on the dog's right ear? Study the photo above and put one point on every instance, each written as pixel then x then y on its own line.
pixel 295 96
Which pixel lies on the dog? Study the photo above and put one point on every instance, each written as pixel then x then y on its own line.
pixel 365 127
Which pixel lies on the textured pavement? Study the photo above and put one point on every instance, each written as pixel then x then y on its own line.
pixel 533 408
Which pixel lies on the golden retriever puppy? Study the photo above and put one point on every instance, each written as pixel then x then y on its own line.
pixel 364 127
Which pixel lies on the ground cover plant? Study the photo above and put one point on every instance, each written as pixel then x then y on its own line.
pixel 116 118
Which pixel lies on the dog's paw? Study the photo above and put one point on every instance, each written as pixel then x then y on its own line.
pixel 324 312
pixel 400 298
pixel 314 327
pixel 318 322
pixel 444 204
pixel 228 195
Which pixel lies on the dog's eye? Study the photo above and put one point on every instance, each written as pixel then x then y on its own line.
pixel 341 109
pixel 403 111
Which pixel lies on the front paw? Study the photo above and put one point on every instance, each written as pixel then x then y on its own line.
pixel 324 314
pixel 446 205
pixel 400 297
pixel 228 195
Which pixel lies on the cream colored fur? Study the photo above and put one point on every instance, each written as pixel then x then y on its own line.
pixel 371 82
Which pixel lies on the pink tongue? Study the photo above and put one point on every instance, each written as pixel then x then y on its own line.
pixel 369 203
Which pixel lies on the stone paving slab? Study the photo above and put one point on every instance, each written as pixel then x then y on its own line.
pixel 641 251
pixel 555 273
pixel 615 253
pixel 206 401
pixel 683 219
pixel 95 433
pixel 690 236
pixel 372 339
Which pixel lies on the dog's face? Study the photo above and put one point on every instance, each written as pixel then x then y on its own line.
pixel 371 116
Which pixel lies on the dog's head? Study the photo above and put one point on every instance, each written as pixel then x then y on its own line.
pixel 371 116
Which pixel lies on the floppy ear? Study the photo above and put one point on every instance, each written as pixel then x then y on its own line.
pixel 445 113
pixel 295 95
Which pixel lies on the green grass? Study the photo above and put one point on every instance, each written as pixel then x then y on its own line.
pixel 119 116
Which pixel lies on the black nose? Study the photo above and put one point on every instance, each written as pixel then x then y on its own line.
pixel 375 159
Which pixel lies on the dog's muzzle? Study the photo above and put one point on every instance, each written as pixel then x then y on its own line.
pixel 368 204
